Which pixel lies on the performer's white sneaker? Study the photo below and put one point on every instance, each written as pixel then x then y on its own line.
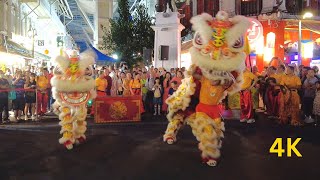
pixel 251 121
pixel 212 162
pixel 170 140
pixel 309 120
pixel 243 120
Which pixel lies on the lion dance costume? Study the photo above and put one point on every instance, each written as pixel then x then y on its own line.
pixel 72 87
pixel 218 60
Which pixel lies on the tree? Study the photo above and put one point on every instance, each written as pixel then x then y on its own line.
pixel 127 36
pixel 143 33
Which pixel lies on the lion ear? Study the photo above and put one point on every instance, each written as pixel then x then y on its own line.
pixel 201 24
pixel 240 26
pixel 62 61
pixel 87 58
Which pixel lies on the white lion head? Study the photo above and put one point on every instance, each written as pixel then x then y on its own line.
pixel 72 82
pixel 218 43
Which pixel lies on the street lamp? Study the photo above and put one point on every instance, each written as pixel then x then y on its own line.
pixel 115 56
pixel 32 33
pixel 306 15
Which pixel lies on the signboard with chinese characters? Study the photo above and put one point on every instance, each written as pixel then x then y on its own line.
pixel 60 41
pixel 255 36
pixel 40 42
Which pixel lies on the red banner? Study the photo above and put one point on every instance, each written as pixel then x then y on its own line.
pixel 118 109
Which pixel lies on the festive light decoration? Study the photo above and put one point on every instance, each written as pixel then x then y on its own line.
pixel 307 50
pixel 269 49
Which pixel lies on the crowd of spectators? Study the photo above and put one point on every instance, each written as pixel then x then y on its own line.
pixel 28 92
pixel 155 85
pixel 22 90
pixel 273 82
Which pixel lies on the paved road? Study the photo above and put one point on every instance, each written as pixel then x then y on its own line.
pixel 135 151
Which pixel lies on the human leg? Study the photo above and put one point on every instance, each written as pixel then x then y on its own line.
pixel 80 125
pixel 26 109
pixel 6 109
pixel 308 106
pixel 209 133
pixel 39 102
pixel 155 109
pixel 247 112
pixel 66 123
pixel 294 109
pixel 283 107
pixel 44 104
pixel 173 127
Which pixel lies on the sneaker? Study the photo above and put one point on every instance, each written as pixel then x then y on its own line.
pixel 14 120
pixel 251 121
pixel 308 120
pixel 6 120
pixel 33 118
pixel 243 120
pixel 26 118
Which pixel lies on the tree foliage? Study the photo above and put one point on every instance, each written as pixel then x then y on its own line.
pixel 128 36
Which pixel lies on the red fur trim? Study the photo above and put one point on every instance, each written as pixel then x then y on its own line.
pixel 81 140
pixel 67 143
pixel 198 70
pixel 169 138
pixel 235 74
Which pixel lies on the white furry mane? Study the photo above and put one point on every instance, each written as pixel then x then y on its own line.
pixel 199 24
pixel 87 58
pixel 238 30
pixel 62 61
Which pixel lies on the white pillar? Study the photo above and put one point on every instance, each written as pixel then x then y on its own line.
pixel 194 7
pixel 2 15
pixel 103 13
pixel 17 18
pixel 168 33
pixel 9 19
pixel 299 44
pixel 228 6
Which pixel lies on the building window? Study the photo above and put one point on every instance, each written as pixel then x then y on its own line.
pixel 250 7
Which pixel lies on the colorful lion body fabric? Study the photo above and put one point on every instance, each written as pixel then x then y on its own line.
pixel 72 87
pixel 218 60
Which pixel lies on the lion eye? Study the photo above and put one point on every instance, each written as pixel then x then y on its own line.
pixel 57 71
pixel 239 43
pixel 88 71
pixel 198 39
